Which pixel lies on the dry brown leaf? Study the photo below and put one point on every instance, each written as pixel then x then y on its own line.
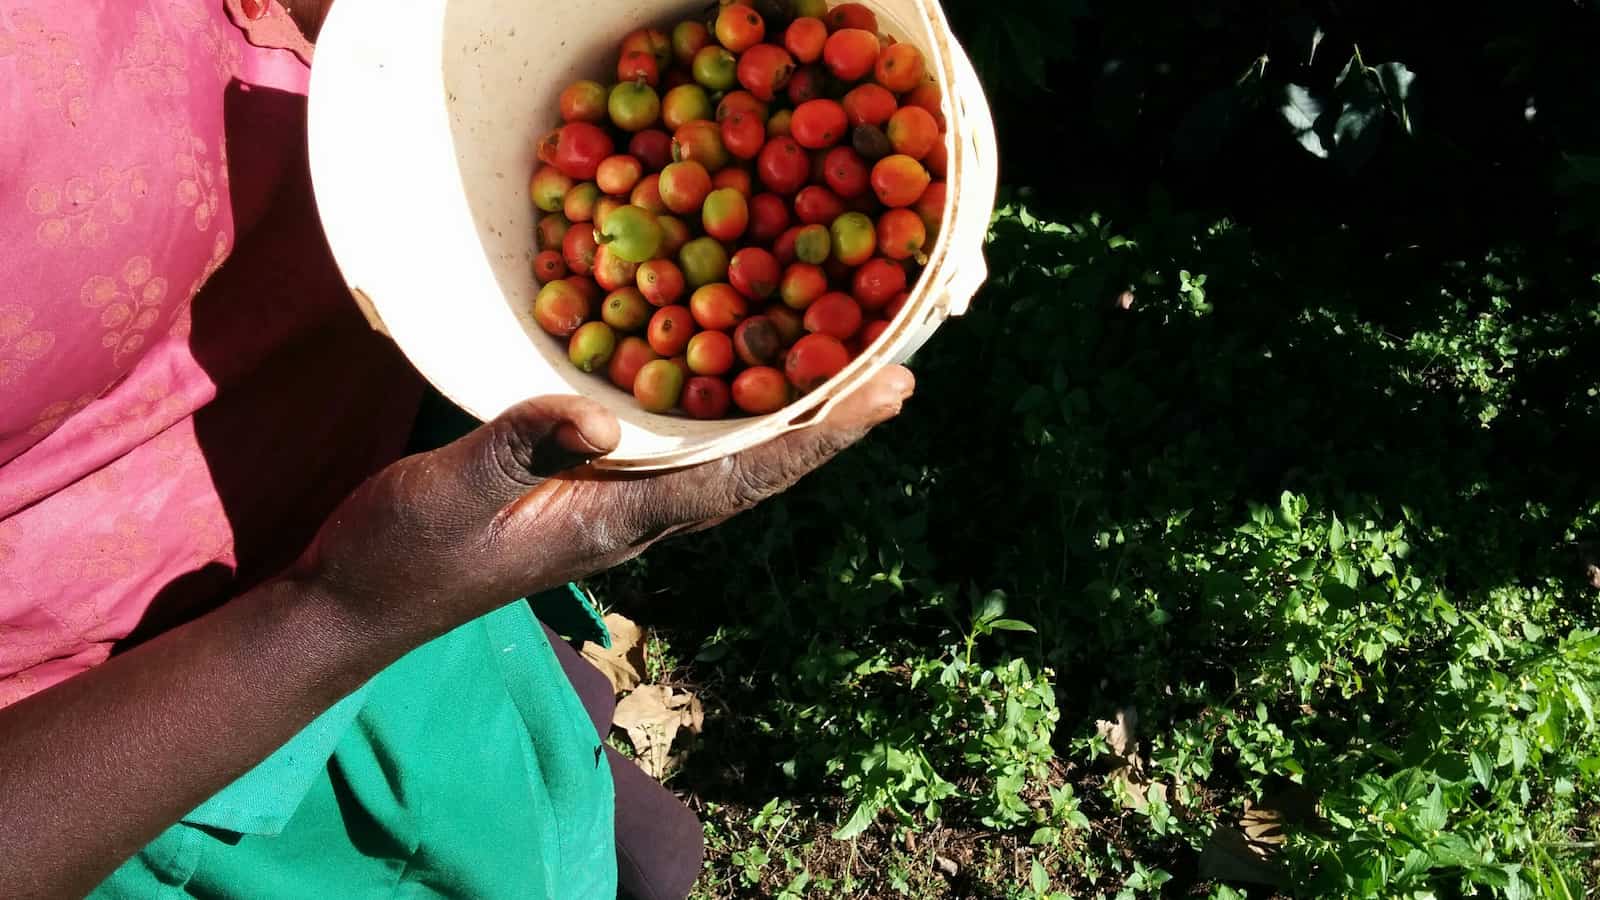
pixel 1122 734
pixel 652 715
pixel 1264 827
pixel 623 664
pixel 1138 789
pixel 1230 856
pixel 1250 851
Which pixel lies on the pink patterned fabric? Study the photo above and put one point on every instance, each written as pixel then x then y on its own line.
pixel 185 387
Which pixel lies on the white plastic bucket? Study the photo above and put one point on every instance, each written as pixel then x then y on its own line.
pixel 423 117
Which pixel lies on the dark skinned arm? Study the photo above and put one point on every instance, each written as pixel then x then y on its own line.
pixel 96 767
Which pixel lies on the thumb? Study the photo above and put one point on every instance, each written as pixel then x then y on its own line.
pixel 715 490
pixel 528 443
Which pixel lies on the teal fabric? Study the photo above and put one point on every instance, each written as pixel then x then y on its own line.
pixel 467 769
pixel 570 614
pixel 264 799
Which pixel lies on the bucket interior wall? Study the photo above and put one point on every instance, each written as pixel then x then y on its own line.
pixel 541 48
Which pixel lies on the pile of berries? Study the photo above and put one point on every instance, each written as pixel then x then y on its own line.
pixel 744 210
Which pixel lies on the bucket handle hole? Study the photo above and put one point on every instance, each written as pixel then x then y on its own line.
pixel 810 415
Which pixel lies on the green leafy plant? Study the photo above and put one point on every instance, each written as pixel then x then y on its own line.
pixel 1269 437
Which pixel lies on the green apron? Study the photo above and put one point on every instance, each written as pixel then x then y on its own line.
pixel 468 768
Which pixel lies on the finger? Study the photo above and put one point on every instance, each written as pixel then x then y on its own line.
pixel 520 448
pixel 717 490
pixel 799 452
pixel 873 403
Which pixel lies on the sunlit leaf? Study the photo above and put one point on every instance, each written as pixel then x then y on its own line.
pixel 1482 768
pixel 866 812
pixel 1396 81
pixel 1012 625
pixel 1356 133
pixel 1301 111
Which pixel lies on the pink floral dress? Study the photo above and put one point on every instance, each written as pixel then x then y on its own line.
pixel 185 387
pixel 186 390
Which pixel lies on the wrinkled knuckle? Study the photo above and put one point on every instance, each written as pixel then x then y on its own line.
pixel 641 514
pixel 752 479
pixel 830 444
pixel 512 453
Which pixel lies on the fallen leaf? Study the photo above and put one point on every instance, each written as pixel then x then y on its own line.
pixel 1250 851
pixel 1121 734
pixel 947 866
pixel 1264 827
pixel 652 715
pixel 1139 789
pixel 1230 856
pixel 623 664
pixel 1122 737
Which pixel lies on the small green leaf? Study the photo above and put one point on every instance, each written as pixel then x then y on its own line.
pixel 1287 510
pixel 1301 669
pixel 1301 111
pixel 1581 695
pixel 1336 535
pixel 1012 625
pixel 1350 67
pixel 1515 888
pixel 1519 752
pixel 1356 133
pixel 1345 573
pixel 1039 878
pixel 1432 815
pixel 1483 768
pixel 1495 877
pixel 1396 79
pixel 865 814
pixel 1453 850
pixel 1416 862
pixel 1300 108
pixel 993 606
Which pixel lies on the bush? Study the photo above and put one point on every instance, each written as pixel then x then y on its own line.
pixel 1290 452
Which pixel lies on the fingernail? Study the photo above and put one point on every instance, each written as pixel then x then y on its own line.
pixel 253 9
pixel 902 382
pixel 575 441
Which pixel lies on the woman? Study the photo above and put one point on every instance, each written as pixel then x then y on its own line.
pixel 244 652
